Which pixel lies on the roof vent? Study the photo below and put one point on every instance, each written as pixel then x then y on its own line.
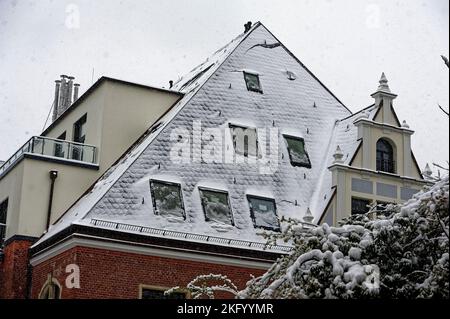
pixel 247 26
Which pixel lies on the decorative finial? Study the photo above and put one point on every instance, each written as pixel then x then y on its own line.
pixel 383 84
pixel 404 124
pixel 338 155
pixel 308 218
pixel 427 172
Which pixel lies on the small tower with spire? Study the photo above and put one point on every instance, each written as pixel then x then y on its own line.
pixel 383 98
pixel 338 156
pixel 427 172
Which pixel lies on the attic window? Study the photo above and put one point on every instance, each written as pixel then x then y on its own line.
pixel 263 212
pixel 297 152
pixel 245 140
pixel 167 199
pixel 216 206
pixel 252 82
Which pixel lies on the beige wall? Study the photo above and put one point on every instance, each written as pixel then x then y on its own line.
pixel 11 188
pixel 117 115
pixel 71 183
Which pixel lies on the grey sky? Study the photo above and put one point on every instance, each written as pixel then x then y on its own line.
pixel 345 43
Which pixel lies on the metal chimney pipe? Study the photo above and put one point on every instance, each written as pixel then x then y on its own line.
pixel 56 100
pixel 76 87
pixel 62 94
pixel 69 91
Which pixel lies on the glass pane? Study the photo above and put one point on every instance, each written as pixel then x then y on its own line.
pixel 245 140
pixel 264 213
pixel 77 152
pixel 297 153
pixel 167 199
pixel 60 149
pixel 216 207
pixel 37 146
pixel 360 206
pixel 252 81
pixel 3 211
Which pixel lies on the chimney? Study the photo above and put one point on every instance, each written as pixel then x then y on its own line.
pixel 247 26
pixel 56 100
pixel 76 87
pixel 65 89
pixel 69 91
pixel 170 84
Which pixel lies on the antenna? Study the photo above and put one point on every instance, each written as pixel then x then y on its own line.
pixel 48 115
pixel 92 79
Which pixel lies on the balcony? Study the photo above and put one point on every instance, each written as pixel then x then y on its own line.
pixel 49 148
pixel 387 166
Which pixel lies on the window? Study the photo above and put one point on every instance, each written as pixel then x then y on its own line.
pixel 297 152
pixel 263 212
pixel 3 213
pixel 59 146
pixel 79 136
pixel 158 293
pixel 385 156
pixel 252 82
pixel 79 130
pixel 245 140
pixel 360 206
pixel 167 199
pixel 216 206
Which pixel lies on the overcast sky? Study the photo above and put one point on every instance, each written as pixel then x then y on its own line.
pixel 346 44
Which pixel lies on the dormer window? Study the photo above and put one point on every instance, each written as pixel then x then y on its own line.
pixel 252 82
pixel 385 156
pixel 245 140
pixel 167 199
pixel 297 152
pixel 263 212
pixel 216 206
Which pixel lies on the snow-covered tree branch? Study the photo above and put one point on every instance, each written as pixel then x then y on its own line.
pixel 401 251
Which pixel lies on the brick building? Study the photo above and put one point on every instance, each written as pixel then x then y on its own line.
pixel 134 189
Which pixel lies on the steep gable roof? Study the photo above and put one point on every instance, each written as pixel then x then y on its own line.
pixel 216 94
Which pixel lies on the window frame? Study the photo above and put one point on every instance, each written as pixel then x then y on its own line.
pixel 297 138
pixel 232 126
pixel 142 287
pixel 369 201
pixel 79 123
pixel 391 163
pixel 3 206
pixel 259 90
pixel 252 213
pixel 152 192
pixel 213 190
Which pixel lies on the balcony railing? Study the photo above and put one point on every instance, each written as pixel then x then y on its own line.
pixel 50 147
pixel 386 166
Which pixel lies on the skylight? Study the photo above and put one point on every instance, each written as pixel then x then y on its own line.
pixel 252 82
pixel 216 206
pixel 297 152
pixel 263 213
pixel 167 199
pixel 245 140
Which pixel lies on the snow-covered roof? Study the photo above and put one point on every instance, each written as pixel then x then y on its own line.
pixel 294 102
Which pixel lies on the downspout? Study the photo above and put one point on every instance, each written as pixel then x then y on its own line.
pixel 53 176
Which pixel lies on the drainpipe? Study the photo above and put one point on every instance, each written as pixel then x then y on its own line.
pixel 53 176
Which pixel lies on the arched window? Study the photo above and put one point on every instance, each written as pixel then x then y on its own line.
pixel 385 156
pixel 51 289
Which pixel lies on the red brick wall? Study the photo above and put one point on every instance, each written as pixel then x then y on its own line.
pixel 112 274
pixel 13 270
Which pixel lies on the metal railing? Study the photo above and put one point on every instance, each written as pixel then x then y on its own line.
pixel 386 166
pixel 50 147
pixel 188 236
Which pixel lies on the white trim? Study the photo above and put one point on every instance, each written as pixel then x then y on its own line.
pixel 378 173
pixel 79 240
pixel 383 125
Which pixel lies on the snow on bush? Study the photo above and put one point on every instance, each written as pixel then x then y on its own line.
pixel 399 252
